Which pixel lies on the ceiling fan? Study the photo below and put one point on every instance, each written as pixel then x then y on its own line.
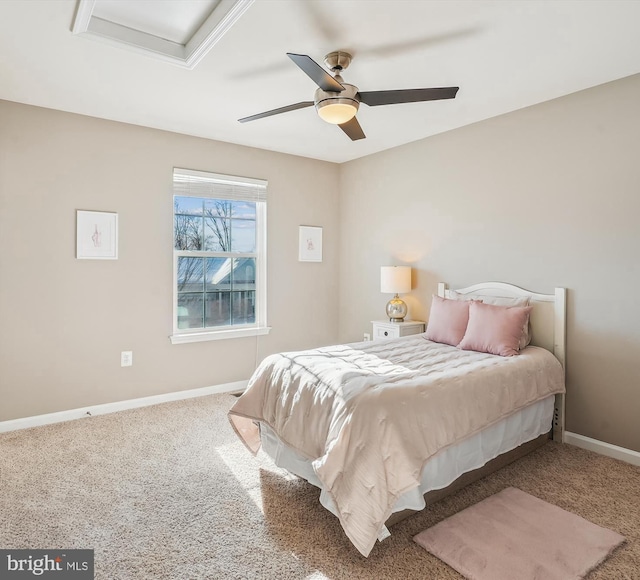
pixel 337 102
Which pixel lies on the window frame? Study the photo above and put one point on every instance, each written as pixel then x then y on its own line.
pixel 233 183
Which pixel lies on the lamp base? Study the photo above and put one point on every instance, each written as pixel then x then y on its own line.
pixel 396 309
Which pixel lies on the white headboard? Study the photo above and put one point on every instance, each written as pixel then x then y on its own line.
pixel 548 324
pixel 548 327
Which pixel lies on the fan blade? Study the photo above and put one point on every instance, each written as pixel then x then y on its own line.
pixel 316 73
pixel 353 129
pixel 286 109
pixel 375 98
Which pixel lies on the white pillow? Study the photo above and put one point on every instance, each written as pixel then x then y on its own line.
pixel 525 338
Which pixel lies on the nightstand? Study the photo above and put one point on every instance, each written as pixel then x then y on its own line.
pixel 384 329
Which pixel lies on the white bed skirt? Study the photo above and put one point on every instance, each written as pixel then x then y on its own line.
pixel 444 467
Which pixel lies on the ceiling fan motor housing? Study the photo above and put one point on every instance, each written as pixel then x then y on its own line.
pixel 347 97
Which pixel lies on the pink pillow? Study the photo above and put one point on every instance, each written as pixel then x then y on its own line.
pixel 495 329
pixel 447 320
pixel 525 338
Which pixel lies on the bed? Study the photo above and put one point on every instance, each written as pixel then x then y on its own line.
pixel 384 428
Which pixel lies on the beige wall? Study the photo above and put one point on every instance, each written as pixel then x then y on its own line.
pixel 65 321
pixel 542 197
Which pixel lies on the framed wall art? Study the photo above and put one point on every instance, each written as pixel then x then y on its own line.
pixel 96 235
pixel 310 244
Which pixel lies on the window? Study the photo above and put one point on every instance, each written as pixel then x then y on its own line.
pixel 219 256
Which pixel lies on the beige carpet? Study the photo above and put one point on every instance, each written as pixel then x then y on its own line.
pixel 513 534
pixel 170 492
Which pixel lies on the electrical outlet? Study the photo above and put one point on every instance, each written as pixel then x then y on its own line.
pixel 126 358
pixel 367 336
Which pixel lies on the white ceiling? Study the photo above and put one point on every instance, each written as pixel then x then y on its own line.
pixel 504 55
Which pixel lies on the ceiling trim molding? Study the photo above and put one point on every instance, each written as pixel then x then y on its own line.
pixel 187 55
pixel 211 34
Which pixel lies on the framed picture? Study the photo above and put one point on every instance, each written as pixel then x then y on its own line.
pixel 96 235
pixel 310 244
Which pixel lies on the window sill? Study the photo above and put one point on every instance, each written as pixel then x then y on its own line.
pixel 218 334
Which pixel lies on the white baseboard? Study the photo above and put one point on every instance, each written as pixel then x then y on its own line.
pixel 93 410
pixel 603 448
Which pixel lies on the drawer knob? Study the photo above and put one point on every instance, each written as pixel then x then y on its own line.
pixel 386 333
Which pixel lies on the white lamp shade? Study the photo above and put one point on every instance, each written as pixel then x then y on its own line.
pixel 395 279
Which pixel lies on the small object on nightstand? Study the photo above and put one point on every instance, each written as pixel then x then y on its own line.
pixel 383 329
pixel 393 280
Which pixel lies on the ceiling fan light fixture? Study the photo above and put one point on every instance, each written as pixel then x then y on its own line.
pixel 337 108
pixel 337 113
pixel 337 102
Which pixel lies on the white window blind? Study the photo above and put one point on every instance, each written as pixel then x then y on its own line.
pixel 187 182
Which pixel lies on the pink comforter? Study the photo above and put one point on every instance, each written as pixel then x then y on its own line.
pixel 369 415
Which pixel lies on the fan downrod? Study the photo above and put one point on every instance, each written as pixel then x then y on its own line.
pixel 337 60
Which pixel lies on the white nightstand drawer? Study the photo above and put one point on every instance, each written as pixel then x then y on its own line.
pixel 386 331
pixel 383 329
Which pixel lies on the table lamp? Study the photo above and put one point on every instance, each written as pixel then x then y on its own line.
pixel 394 280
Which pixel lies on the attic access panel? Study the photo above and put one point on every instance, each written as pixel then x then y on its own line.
pixel 178 31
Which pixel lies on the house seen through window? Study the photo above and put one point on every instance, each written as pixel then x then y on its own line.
pixel 219 253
